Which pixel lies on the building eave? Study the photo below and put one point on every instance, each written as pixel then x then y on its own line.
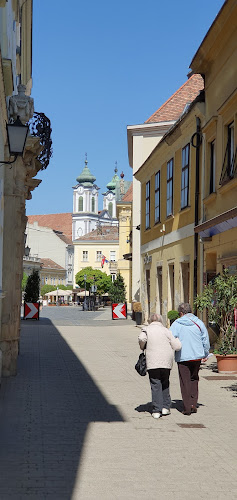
pixel 147 130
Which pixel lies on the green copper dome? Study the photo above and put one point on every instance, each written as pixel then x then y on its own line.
pixel 112 184
pixel 86 178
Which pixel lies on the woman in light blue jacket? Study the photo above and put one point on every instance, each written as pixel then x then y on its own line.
pixel 193 336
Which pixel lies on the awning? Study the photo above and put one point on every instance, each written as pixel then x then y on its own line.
pixel 59 293
pixel 219 224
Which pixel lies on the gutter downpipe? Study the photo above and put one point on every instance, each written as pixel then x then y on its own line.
pixel 197 187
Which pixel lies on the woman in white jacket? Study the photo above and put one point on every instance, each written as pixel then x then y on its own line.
pixel 160 345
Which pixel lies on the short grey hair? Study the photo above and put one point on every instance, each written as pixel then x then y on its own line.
pixel 184 308
pixel 156 317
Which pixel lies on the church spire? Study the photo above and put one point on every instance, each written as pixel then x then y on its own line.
pixel 86 178
pixel 112 184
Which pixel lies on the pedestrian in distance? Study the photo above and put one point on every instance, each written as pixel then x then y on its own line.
pixel 160 345
pixel 194 338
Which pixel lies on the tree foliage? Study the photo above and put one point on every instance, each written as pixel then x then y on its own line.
pixel 93 277
pixel 24 281
pixel 32 287
pixel 117 291
pixel 219 297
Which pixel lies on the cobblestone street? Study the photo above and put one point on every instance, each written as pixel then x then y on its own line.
pixel 75 421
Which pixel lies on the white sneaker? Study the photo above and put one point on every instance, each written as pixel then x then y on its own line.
pixel 165 411
pixel 156 415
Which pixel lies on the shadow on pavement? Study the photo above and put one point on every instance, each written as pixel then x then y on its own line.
pixel 44 414
pixel 232 388
pixel 147 407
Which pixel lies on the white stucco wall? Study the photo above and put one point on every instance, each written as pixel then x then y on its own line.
pixel 44 243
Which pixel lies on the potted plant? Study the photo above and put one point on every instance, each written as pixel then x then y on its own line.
pixel 172 315
pixel 137 308
pixel 31 298
pixel 117 293
pixel 219 297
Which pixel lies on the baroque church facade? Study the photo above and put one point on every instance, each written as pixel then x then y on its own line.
pixel 86 216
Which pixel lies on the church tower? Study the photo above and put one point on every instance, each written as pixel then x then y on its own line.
pixel 85 203
pixel 109 197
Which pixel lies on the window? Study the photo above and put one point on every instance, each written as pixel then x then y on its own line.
pixel 147 205
pixel 46 280
pixel 98 255
pixel 113 277
pixel 51 281
pixel 169 196
pixel 112 255
pixel 80 204
pixel 42 280
pixel 185 177
pixel 110 209
pixel 92 204
pixel 157 197
pixel 85 255
pixel 229 163
pixel 212 166
pixel 54 281
pixel 230 146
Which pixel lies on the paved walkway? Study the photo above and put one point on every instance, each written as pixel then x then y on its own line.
pixel 75 423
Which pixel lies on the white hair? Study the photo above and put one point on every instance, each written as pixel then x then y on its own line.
pixel 156 317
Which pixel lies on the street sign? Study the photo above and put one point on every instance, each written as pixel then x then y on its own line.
pixel 31 310
pixel 94 288
pixel 119 311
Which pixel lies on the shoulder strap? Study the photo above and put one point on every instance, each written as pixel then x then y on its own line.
pixel 196 325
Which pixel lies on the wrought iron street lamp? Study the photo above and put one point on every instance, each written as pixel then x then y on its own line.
pixel 17 134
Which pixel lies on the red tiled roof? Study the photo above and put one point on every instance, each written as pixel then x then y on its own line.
pixel 128 194
pixel 109 233
pixel 174 106
pixel 50 264
pixel 58 222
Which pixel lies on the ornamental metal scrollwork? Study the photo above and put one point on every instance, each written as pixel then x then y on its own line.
pixel 40 126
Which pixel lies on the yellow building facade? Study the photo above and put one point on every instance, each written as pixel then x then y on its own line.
pixel 216 59
pixel 168 184
pixel 124 215
pixel 90 249
pixel 189 182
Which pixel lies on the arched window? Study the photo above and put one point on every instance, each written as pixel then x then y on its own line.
pixel 80 205
pixel 110 208
pixel 92 204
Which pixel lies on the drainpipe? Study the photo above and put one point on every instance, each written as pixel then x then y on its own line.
pixel 196 142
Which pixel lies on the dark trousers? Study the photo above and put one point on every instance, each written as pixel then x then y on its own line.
pixel 159 380
pixel 188 378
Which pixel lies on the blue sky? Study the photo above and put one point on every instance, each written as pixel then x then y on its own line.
pixel 98 67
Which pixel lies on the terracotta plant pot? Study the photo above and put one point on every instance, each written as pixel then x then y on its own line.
pixel 226 364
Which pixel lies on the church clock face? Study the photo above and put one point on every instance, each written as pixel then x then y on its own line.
pixel 93 191
pixel 79 232
pixel 110 196
pixel 80 190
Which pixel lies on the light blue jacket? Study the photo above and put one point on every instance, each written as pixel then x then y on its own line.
pixel 194 339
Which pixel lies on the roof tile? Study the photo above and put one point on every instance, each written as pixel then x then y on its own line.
pixel 50 264
pixel 129 194
pixel 109 233
pixel 58 222
pixel 174 106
